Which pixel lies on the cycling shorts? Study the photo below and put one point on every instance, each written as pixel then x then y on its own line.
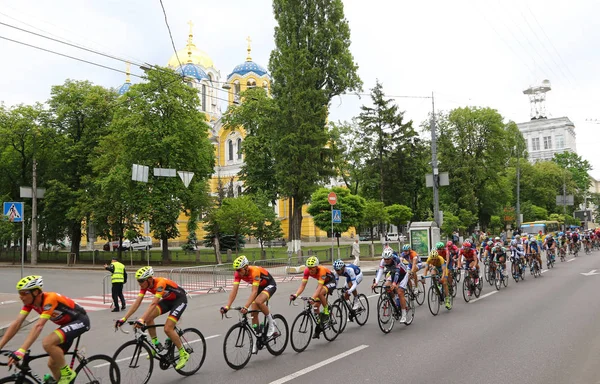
pixel 398 276
pixel 69 332
pixel 268 289
pixel 359 278
pixel 174 307
pixel 331 286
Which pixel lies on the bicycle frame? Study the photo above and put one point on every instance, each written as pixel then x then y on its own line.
pixel 165 359
pixel 261 334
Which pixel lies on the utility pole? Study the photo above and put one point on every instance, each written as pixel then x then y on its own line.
pixel 518 213
pixel 34 241
pixel 434 165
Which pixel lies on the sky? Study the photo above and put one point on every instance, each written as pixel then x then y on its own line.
pixel 466 52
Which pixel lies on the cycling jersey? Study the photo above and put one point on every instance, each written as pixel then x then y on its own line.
pixel 395 266
pixel 321 273
pixel 164 289
pixel 469 254
pixel 350 272
pixel 257 276
pixel 575 237
pixel 410 256
pixel 516 252
pixel 437 261
pixel 533 246
pixel 57 308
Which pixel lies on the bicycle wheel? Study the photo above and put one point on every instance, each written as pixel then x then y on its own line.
pixel 194 344
pixel 97 369
pixel 237 346
pixel 12 379
pixel 458 275
pixel 486 272
pixel 331 328
pixel 277 344
pixel 498 280
pixel 302 331
pixel 453 288
pixel 505 280
pixel 467 289
pixel 362 313
pixel 385 314
pixel 477 288
pixel 433 301
pixel 342 325
pixel 135 362
pixel 420 292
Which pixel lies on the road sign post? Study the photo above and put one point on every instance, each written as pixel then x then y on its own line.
pixel 332 198
pixel 14 212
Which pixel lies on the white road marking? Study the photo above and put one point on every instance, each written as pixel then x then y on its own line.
pixel 375 295
pixel 545 270
pixel 483 297
pixel 144 354
pixel 568 261
pixel 306 370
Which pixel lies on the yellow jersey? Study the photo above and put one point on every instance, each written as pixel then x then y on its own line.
pixel 437 261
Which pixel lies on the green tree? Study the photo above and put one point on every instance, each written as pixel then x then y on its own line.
pixel 159 124
pixel 398 214
pixel 375 214
pixel 352 207
pixel 310 64
pixel 348 155
pixel 578 168
pixel 532 212
pixel 80 114
pixel 237 216
pixel 267 227
pixel 451 223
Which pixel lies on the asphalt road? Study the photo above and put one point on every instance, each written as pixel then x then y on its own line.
pixel 538 331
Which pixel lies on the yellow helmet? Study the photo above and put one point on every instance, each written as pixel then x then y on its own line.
pixel 240 262
pixel 433 253
pixel 30 282
pixel 144 273
pixel 312 262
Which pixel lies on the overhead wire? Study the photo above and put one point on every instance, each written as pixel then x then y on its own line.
pixel 169 29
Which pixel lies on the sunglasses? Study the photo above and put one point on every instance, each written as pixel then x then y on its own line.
pixel 141 281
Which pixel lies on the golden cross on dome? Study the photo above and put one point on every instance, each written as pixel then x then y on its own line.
pixel 249 48
pixel 191 24
pixel 128 73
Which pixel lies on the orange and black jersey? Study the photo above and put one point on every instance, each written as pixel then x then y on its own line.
pixel 164 289
pixel 321 273
pixel 57 308
pixel 255 276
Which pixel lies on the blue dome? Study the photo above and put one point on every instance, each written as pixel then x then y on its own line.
pixel 124 88
pixel 192 70
pixel 247 67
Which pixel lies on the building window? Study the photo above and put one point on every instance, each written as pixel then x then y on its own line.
pixel 251 83
pixel 239 149
pixel 535 144
pixel 236 92
pixel 560 141
pixel 239 190
pixel 229 150
pixel 547 142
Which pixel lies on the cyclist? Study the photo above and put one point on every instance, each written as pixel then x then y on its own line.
pixel 168 297
pixel 437 264
pixel 414 263
pixel 534 251
pixel 499 253
pixel 562 243
pixel 442 251
pixel 550 246
pixel 397 277
pixel 471 259
pixel 262 282
pixel 452 251
pixel 353 276
pixel 575 241
pixel 326 284
pixel 62 311
pixel 516 252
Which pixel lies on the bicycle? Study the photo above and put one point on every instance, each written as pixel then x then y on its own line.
pixel 452 283
pixel 535 268
pixel 562 252
pixel 307 319
pixel 518 269
pixel 419 292
pixel 550 258
pixel 144 351
pixel 469 286
pixel 486 268
pixel 242 333
pixel 435 295
pixel 501 277
pixel 91 369
pixel 360 315
pixel 587 248
pixel 388 311
pixel 576 249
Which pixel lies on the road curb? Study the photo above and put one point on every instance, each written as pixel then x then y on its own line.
pixel 26 323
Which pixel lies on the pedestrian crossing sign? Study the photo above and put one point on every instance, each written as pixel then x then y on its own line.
pixel 14 211
pixel 336 216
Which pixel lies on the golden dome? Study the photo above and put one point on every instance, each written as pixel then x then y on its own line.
pixel 190 54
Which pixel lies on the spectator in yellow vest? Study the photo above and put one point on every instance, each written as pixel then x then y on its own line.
pixel 118 278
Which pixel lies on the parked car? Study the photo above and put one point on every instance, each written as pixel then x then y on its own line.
pixel 139 243
pixel 392 237
pixel 275 243
pixel 107 246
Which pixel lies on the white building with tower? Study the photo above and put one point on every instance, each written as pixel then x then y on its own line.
pixel 545 137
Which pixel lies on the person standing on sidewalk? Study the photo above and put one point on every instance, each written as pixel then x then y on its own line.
pixel 356 253
pixel 118 278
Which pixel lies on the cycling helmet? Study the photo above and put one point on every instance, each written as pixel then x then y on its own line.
pixel 490 243
pixel 497 238
pixel 387 253
pixel 439 245
pixel 312 262
pixel 240 262
pixel 433 253
pixel 467 244
pixel 144 273
pixel 513 242
pixel 406 247
pixel 30 282
pixel 449 244
pixel 338 264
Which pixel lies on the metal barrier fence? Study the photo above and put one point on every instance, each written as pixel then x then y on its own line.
pixel 130 288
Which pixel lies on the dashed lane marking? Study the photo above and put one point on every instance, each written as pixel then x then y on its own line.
pixel 483 297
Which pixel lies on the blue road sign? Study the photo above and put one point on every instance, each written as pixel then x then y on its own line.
pixel 336 216
pixel 14 211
